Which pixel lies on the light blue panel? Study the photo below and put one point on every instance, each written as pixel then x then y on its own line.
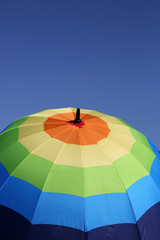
pixel 143 195
pixel 155 171
pixel 73 211
pixel 155 168
pixel 155 150
pixel 3 174
pixel 108 209
pixel 60 209
pixel 20 196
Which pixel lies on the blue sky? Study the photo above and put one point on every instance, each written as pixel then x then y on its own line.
pixel 102 55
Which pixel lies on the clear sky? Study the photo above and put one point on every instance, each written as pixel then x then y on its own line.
pixel 102 55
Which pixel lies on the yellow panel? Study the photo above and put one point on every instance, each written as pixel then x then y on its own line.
pixel 25 131
pixel 50 149
pixel 34 120
pixel 120 128
pixel 47 113
pixel 93 155
pixel 96 114
pixel 85 111
pixel 33 141
pixel 70 155
pixel 109 119
pixel 112 149
pixel 63 110
pixel 125 140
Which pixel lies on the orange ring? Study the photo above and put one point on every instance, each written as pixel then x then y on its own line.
pixel 91 129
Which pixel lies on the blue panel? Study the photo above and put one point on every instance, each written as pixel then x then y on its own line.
pixel 143 195
pixel 3 174
pixel 155 150
pixel 64 209
pixel 155 170
pixel 60 209
pixel 73 211
pixel 20 196
pixel 107 209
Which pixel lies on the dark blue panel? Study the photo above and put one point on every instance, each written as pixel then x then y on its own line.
pixel 149 223
pixel 53 232
pixel 3 174
pixel 112 232
pixel 13 226
pixel 115 232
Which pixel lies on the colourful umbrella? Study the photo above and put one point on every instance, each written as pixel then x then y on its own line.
pixel 78 176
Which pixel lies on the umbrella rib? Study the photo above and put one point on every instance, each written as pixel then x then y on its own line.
pixel 25 158
pixel 131 153
pixel 63 146
pixel 11 129
pixel 23 126
pixel 123 135
pixel 83 166
pixel 94 132
pixel 101 148
pixel 130 137
pixel 48 176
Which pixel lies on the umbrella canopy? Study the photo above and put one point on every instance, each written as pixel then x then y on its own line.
pixel 67 175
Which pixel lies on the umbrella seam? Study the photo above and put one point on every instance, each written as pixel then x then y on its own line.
pixel 124 188
pixel 129 152
pixel 44 186
pixel 48 175
pixel 25 158
pixel 83 165
pixel 131 155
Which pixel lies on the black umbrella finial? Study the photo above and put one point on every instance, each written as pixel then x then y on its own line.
pixel 77 119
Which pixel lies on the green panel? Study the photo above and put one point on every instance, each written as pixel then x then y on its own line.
pixel 102 179
pixel 83 181
pixel 140 137
pixel 33 169
pixel 130 169
pixel 17 123
pixel 143 154
pixel 65 179
pixel 7 138
pixel 11 151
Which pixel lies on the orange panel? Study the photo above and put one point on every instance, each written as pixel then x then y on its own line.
pixel 91 129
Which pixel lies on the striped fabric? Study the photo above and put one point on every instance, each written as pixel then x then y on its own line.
pixel 98 179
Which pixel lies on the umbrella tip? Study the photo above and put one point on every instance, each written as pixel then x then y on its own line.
pixel 77 119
